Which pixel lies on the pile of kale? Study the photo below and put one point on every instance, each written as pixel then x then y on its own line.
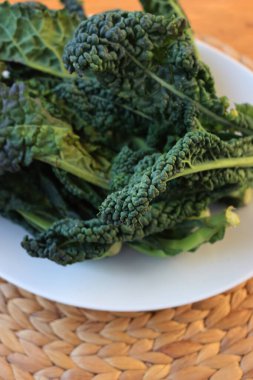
pixel 111 132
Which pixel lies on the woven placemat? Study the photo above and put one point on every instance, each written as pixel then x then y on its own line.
pixel 211 339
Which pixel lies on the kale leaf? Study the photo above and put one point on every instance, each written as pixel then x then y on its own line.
pixel 28 132
pixel 35 36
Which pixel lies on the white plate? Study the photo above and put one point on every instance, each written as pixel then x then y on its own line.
pixel 131 281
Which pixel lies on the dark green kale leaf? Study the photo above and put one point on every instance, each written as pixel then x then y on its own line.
pixel 159 44
pixel 123 166
pixel 95 114
pixel 28 132
pixel 151 62
pixel 35 36
pixel 70 240
pixel 196 152
pixel 104 41
pixel 117 38
pixel 94 106
pixel 32 199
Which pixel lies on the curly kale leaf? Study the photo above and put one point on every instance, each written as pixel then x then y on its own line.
pixel 35 36
pixel 70 240
pixel 189 236
pixel 104 41
pixel 28 132
pixel 106 44
pixel 196 152
pixel 122 49
pixel 123 166
pixel 96 115
pixel 193 85
pixel 96 106
pixel 151 62
pixel 74 7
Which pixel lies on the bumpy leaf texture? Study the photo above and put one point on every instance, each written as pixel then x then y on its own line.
pixel 24 129
pixel 103 44
pixel 152 62
pixel 28 132
pixel 70 240
pixel 194 153
pixel 107 45
pixel 96 106
pixel 123 166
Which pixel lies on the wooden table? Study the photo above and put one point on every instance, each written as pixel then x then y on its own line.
pixel 230 21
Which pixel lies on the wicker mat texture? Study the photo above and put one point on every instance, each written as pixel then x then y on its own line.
pixel 208 340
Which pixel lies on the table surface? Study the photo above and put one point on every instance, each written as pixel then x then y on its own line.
pixel 230 21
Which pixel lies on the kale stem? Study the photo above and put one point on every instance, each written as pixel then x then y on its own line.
pixel 182 96
pixel 36 221
pixel 223 163
pixel 84 174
